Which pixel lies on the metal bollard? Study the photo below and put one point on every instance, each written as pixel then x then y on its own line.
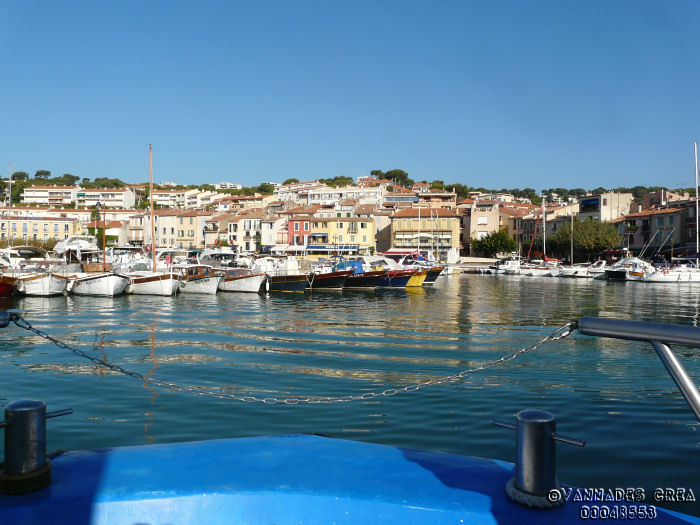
pixel 26 468
pixel 535 467
pixel 535 470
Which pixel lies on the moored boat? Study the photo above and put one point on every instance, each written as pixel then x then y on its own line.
pixel 433 273
pixel 364 279
pixel 153 283
pixel 197 278
pixel 395 278
pixel 242 280
pixel 288 283
pixel 328 280
pixel 417 279
pixel 42 284
pixel 8 285
pixel 100 284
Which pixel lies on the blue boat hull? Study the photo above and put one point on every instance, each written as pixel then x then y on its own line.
pixel 284 479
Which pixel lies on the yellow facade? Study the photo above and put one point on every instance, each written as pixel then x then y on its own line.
pixel 344 235
pixel 41 229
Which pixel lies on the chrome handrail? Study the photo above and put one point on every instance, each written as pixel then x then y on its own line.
pixel 660 335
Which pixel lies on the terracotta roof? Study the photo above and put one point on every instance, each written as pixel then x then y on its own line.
pixel 426 213
pixel 648 213
pixel 50 187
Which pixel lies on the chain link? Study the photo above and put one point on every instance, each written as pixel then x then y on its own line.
pixel 560 333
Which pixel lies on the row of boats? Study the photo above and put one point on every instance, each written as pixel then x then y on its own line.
pixel 626 269
pixel 215 271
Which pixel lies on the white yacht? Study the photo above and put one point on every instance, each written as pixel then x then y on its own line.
pixel 197 278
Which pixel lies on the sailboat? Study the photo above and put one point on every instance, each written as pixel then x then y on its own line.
pixel 143 282
pixel 681 269
pixel 546 267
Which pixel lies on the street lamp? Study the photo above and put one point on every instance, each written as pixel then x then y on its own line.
pixel 104 228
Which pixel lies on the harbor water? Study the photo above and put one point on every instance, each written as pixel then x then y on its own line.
pixel 615 395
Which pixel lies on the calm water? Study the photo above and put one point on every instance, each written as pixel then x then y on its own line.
pixel 614 394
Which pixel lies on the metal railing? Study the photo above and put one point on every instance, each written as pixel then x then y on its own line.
pixel 660 335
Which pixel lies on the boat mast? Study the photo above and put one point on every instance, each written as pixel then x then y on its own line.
pixel 697 219
pixel 418 231
pixel 572 236
pixel 150 192
pixel 544 230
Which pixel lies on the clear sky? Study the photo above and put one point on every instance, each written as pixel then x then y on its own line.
pixel 500 94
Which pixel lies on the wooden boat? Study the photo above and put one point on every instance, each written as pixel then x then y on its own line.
pixel 433 273
pixel 328 280
pixel 100 284
pixel 8 285
pixel 395 278
pixel 417 279
pixel 197 278
pixel 153 283
pixel 288 283
pixel 364 279
pixel 42 284
pixel 242 280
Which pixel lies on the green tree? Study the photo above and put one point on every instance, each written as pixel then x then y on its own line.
pixel 438 185
pixel 399 177
pixel 20 175
pixel 590 238
pixel 494 243
pixel 42 174
pixel 291 181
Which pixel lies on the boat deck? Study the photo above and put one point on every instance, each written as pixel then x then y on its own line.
pixel 281 479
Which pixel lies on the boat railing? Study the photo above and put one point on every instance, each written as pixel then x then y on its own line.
pixel 660 335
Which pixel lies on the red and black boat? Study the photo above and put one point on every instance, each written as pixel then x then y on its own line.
pixel 8 286
pixel 328 281
pixel 364 279
pixel 433 273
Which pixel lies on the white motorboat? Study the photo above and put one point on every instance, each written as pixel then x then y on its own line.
pixel 101 284
pixel 628 269
pixel 242 280
pixel 41 284
pixel 197 278
pixel 153 283
pixel 681 271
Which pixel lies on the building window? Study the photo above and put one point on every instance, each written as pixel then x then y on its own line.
pixel 46 227
pixel 659 221
pixel 55 228
pixel 46 237
pixel 363 225
pixel 670 220
pixel 191 219
pixel 65 228
pixel 364 238
pixel 296 226
pixel 340 225
pixel 14 226
pixel 306 226
pixel 482 220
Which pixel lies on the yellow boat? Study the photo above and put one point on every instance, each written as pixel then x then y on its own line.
pixel 417 278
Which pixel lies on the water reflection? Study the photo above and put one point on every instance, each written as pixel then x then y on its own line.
pixel 360 341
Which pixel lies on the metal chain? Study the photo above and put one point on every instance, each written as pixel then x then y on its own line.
pixel 560 333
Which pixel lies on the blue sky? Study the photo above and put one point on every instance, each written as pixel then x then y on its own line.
pixel 500 94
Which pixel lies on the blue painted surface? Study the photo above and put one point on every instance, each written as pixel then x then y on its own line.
pixel 283 479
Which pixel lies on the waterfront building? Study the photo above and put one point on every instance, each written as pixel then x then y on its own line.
pixel 109 197
pixel 245 231
pixel 200 199
pixel 242 202
pixel 432 229
pixel 605 207
pixel 661 198
pixel 182 229
pixel 51 195
pixel 659 228
pixel 273 233
pixel 397 200
pixel 292 191
pixel 216 229
pixel 326 236
pixel 37 228
pixel 479 219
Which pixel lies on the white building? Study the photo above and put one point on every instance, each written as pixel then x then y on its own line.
pixel 109 197
pixel 169 198
pixel 50 195
pixel 228 186
pixel 326 195
pixel 244 231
